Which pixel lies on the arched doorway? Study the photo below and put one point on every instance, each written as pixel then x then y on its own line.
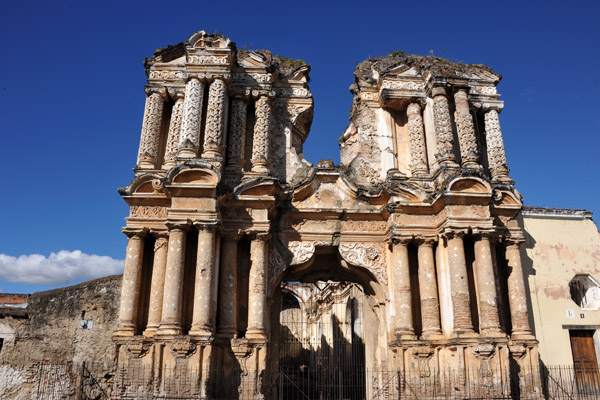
pixel 326 330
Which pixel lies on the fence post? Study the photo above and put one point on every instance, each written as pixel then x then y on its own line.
pixel 79 393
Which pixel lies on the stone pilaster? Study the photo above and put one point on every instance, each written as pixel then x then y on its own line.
pixel 227 325
pixel 150 139
pixel 467 139
pixel 132 278
pixel 202 315
pixel 189 138
pixel 430 309
pixel 404 328
pixel 157 284
pixel 459 283
pixel 517 296
pixel 257 287
pixel 443 128
pixel 237 135
pixel 214 132
pixel 495 146
pixel 170 323
pixel 262 129
pixel 416 136
pixel 174 128
pixel 489 320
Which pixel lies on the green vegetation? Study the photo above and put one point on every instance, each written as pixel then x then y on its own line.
pixel 397 53
pixel 289 61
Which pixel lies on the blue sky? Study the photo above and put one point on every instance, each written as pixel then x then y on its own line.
pixel 72 100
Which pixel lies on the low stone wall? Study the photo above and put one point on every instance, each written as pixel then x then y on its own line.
pixel 72 324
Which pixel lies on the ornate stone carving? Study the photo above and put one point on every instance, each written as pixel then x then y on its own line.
pixel 258 78
pixel 292 92
pixel 416 136
pixel 277 264
pixel 423 354
pixel 365 255
pixel 466 131
pixel 237 133
pixel 215 119
pixel 183 348
pixel 364 226
pixel 443 129
pixel 404 85
pixel 495 145
pixel 189 138
pixel 365 172
pixel 203 60
pixel 484 90
pixel 168 75
pixel 174 131
pixel 302 251
pixel 148 152
pixel 148 212
pixel 138 348
pixel 262 127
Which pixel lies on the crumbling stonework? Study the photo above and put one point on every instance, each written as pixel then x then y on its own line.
pixel 226 216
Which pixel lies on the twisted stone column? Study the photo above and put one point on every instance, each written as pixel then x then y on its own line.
pixel 228 287
pixel 262 129
pixel 174 129
pixel 402 291
pixel 130 290
pixel 416 136
pixel 157 284
pixel 495 146
pixel 170 323
pixel 203 285
pixel 150 139
pixel 189 138
pixel 214 130
pixel 237 135
pixel 430 308
pixel 257 287
pixel 489 320
pixel 467 139
pixel 517 296
pixel 459 283
pixel 443 128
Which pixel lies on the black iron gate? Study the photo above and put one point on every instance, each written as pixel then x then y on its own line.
pixel 322 349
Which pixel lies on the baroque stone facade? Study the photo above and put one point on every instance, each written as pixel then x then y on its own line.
pixel 226 213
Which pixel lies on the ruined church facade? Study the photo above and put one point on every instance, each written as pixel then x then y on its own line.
pixel 250 273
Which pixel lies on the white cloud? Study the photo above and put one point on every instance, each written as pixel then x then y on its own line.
pixel 58 268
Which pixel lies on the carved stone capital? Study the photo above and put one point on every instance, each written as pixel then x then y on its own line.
pixel 150 90
pixel 513 241
pixel 134 232
pixel 212 226
pixel 183 348
pixel 232 234
pixel 425 241
pixel 261 236
pixel 178 226
pixel 450 234
pixel 402 240
pixel 438 90
pixel 258 93
pixel 176 93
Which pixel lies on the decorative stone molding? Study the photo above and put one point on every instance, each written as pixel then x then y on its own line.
pixel 189 138
pixel 423 355
pixel 138 348
pixel 484 350
pixel 292 92
pixel 483 90
pixel 277 264
pixel 369 256
pixel 404 85
pixel 302 251
pixel 466 130
pixel 148 212
pixel 208 60
pixel 182 348
pixel 215 119
pixel 364 226
pixel 416 136
pixel 167 75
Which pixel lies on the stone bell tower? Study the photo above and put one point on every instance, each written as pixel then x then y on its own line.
pixel 243 258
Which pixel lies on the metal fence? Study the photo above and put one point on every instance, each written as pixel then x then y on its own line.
pixel 86 381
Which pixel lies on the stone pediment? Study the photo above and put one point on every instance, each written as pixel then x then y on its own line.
pixel 252 59
pixel 203 40
pixel 326 192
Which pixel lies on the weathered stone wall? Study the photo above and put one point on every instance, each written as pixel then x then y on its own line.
pixel 49 332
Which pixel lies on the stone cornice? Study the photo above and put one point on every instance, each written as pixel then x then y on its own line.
pixel 564 213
